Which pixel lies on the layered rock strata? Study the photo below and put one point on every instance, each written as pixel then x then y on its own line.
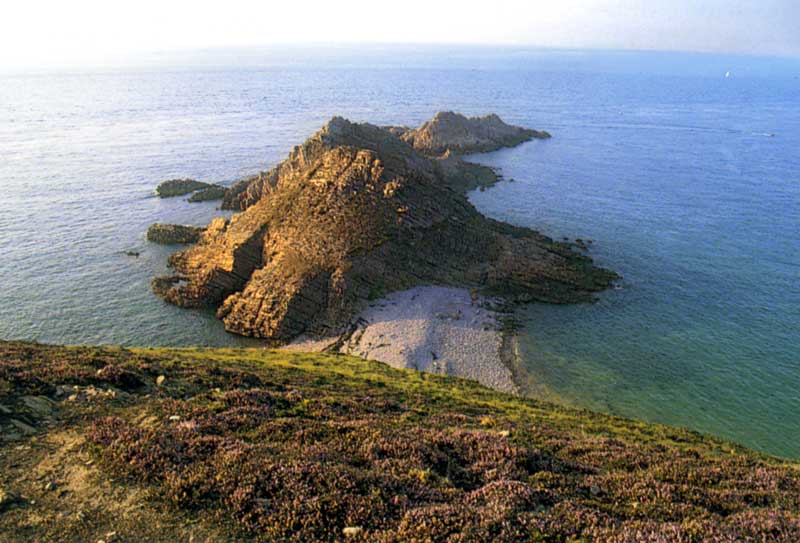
pixel 352 214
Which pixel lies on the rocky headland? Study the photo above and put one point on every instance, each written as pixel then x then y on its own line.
pixel 441 139
pixel 359 211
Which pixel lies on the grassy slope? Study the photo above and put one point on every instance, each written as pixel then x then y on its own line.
pixel 261 445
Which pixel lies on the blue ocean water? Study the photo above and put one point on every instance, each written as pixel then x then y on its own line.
pixel 687 181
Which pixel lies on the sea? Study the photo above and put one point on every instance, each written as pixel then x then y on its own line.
pixel 683 169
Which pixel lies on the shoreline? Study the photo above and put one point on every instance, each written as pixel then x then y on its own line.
pixel 436 329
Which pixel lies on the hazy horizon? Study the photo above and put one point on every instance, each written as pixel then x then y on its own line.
pixel 380 56
pixel 46 34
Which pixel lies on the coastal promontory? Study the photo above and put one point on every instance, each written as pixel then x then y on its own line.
pixel 359 211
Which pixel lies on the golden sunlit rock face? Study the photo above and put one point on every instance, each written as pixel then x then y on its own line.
pixel 358 211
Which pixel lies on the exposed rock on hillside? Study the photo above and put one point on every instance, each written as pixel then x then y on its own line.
pixel 454 132
pixel 353 213
pixel 173 234
pixel 246 192
pixel 179 187
pixel 444 137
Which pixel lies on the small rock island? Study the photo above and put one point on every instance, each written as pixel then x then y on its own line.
pixel 359 211
pixel 199 190
pixel 173 234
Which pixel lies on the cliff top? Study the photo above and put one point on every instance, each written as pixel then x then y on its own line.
pixel 254 445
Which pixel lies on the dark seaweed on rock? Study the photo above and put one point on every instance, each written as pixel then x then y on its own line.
pixel 279 446
pixel 356 210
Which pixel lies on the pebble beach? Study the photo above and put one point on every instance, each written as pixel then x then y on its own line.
pixel 442 330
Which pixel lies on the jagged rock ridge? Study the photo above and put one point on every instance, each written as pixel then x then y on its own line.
pixel 353 213
pixel 442 138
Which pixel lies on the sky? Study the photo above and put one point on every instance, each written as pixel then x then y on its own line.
pixel 56 32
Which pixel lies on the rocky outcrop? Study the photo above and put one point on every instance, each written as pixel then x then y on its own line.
pixel 354 213
pixel 214 192
pixel 454 132
pixel 173 234
pixel 220 264
pixel 246 192
pixel 443 138
pixel 179 187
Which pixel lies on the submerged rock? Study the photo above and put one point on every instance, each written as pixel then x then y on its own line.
pixel 353 211
pixel 173 234
pixel 179 187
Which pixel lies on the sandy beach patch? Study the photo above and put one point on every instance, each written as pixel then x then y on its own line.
pixel 442 330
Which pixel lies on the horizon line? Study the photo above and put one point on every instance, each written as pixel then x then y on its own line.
pixel 140 58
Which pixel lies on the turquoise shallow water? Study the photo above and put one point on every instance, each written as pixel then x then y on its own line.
pixel 669 167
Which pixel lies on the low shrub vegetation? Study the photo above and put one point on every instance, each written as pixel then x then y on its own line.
pixel 283 446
